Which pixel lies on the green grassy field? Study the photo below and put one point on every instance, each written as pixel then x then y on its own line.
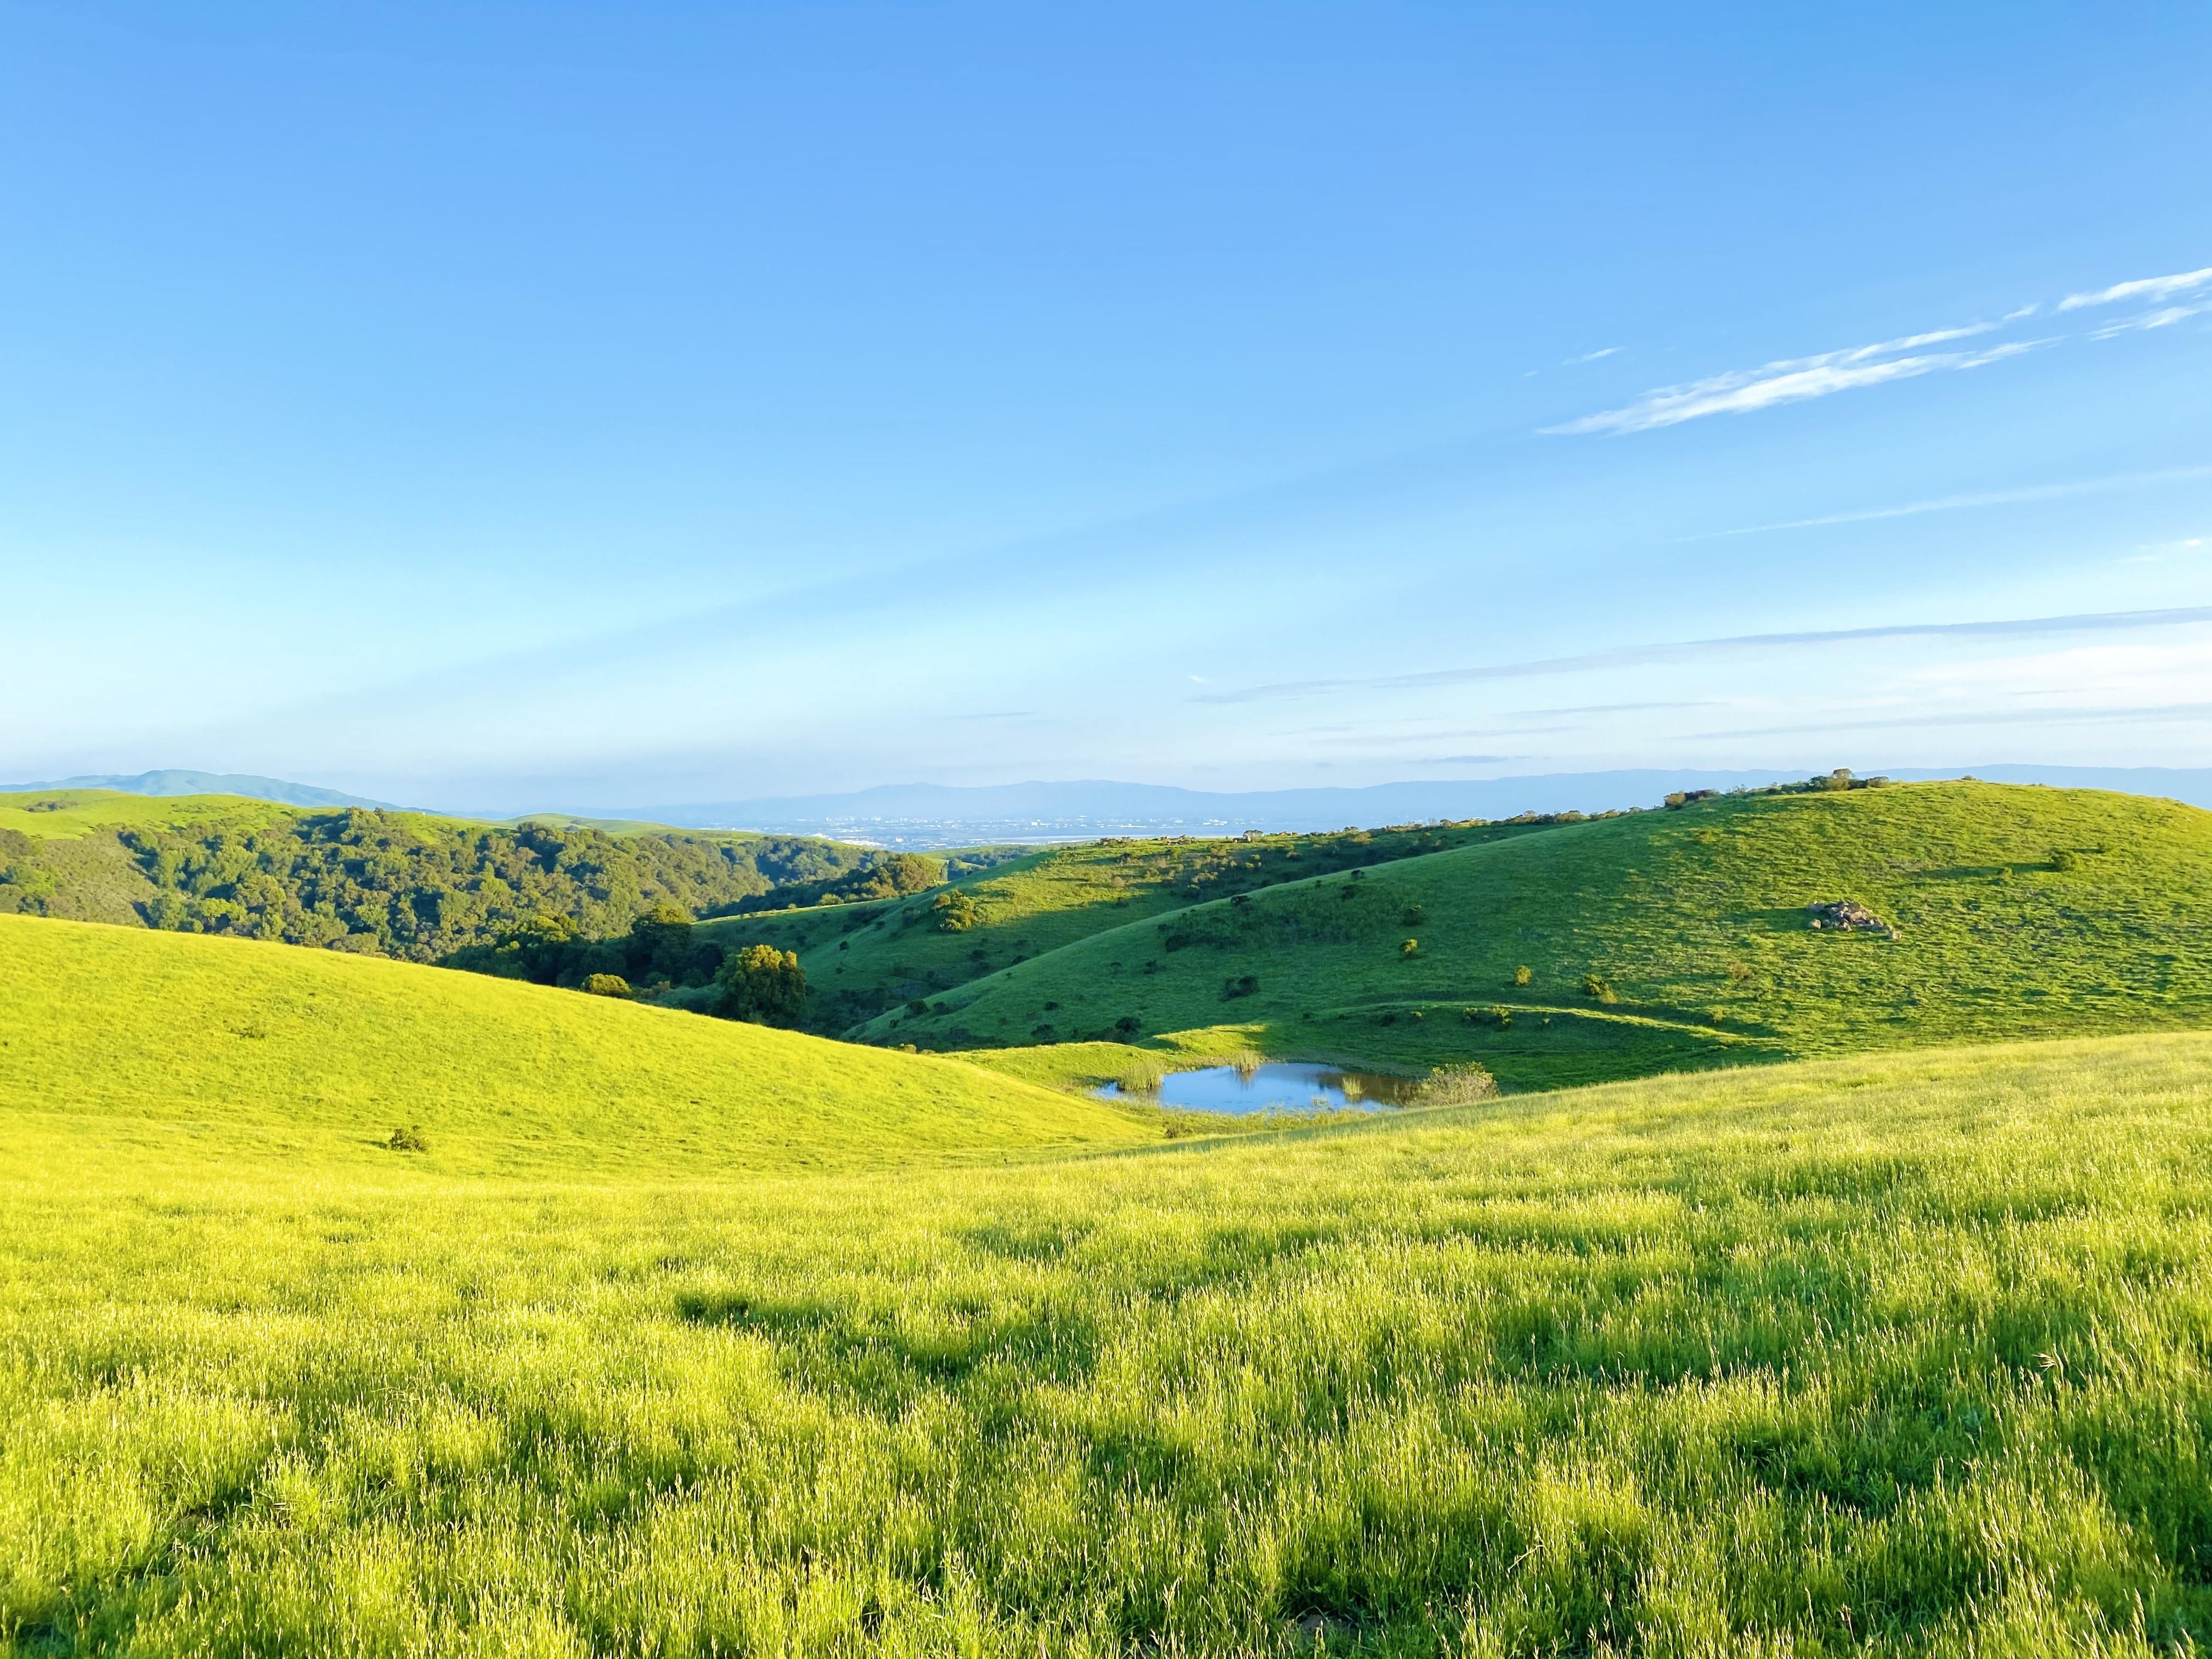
pixel 329 1054
pixel 1903 1355
pixel 1695 920
pixel 862 959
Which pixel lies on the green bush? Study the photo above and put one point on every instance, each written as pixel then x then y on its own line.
pixel 1456 1085
pixel 956 911
pixel 1596 985
pixel 1522 976
pixel 607 985
pixel 410 1139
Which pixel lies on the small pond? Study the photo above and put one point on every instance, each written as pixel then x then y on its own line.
pixel 1279 1087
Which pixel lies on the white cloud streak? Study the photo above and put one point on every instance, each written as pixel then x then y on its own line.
pixel 2147 287
pixel 1982 498
pixel 1793 379
pixel 2166 317
pixel 1592 356
pixel 1687 650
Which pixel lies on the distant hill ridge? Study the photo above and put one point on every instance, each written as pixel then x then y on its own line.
pixel 1101 805
pixel 175 782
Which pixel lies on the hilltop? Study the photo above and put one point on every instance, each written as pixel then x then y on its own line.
pixel 1662 940
pixel 172 782
pixel 332 1052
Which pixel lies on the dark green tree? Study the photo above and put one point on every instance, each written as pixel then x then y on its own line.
pixel 762 984
pixel 659 943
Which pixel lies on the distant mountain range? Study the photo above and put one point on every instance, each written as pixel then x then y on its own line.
pixel 943 815
pixel 203 783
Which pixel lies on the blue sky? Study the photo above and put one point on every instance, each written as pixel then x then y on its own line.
pixel 503 406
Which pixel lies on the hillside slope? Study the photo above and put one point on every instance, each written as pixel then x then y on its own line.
pixel 336 1049
pixel 1900 1355
pixel 1665 940
pixel 863 959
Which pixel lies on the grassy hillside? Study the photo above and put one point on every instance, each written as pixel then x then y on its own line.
pixel 72 814
pixel 330 1053
pixel 1902 1355
pixel 2020 911
pixel 862 959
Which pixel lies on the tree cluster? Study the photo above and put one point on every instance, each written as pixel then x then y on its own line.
pixel 409 885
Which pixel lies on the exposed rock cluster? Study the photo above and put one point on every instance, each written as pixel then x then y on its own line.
pixel 1847 915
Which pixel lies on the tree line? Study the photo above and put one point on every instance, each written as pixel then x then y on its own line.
pixel 407 885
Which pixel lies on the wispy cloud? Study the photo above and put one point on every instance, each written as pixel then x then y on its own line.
pixel 2165 317
pixel 1606 709
pixel 1981 498
pixel 1793 379
pixel 1683 650
pixel 2152 713
pixel 1592 356
pixel 2146 287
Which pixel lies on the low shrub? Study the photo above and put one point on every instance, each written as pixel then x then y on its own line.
pixel 1456 1085
pixel 410 1139
pixel 606 985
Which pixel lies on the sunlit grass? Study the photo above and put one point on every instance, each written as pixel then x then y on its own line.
pixel 1904 1354
pixel 330 1051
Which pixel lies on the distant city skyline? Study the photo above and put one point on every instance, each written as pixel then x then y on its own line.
pixel 575 407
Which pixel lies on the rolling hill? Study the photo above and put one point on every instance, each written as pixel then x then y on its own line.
pixel 1900 1355
pixel 1659 941
pixel 862 959
pixel 181 1035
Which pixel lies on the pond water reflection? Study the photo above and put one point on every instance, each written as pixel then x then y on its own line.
pixel 1280 1086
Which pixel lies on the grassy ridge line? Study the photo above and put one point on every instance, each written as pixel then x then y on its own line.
pixel 58 814
pixel 70 814
pixel 178 1028
pixel 1900 1355
pixel 1696 921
